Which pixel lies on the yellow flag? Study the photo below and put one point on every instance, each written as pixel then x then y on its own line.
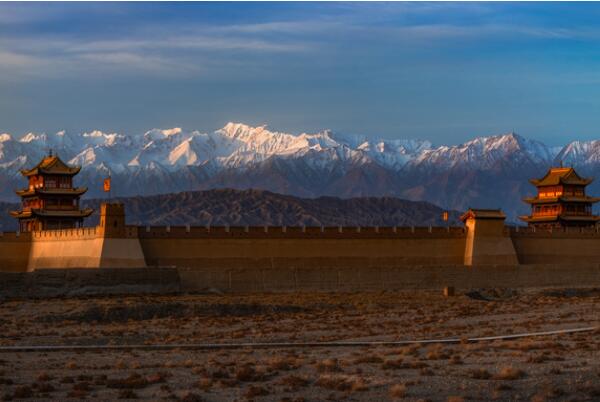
pixel 107 185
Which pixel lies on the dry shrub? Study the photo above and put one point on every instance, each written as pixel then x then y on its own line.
pixel 156 378
pixel 100 379
pixel 538 398
pixel 191 397
pixel 359 384
pixel 44 387
pixel 455 359
pixel 43 377
pixel 127 394
pixel 248 373
pixel 509 373
pixel 480 374
pixel 536 359
pixel 437 353
pixel 77 393
pixel 368 359
pixel 398 391
pixel 328 366
pixel 294 381
pixel 335 382
pixel 393 364
pixel 133 381
pixel 204 383
pixel 254 391
pixel 415 365
pixel 120 365
pixel 455 399
pixel 282 363
pixel 71 365
pixel 82 386
pixel 22 392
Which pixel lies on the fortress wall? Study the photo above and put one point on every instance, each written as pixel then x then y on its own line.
pixel 296 247
pixel 14 251
pixel 557 248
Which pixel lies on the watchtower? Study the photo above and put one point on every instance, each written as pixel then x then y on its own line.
pixel 50 201
pixel 561 200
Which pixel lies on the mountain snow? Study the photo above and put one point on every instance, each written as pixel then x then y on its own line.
pixel 240 146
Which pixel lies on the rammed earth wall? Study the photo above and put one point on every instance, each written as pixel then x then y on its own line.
pixel 483 253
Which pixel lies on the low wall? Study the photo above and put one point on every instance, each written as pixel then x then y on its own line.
pixel 388 278
pixel 108 281
pixel 85 282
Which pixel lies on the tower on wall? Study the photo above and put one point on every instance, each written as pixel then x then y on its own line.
pixel 561 200
pixel 50 201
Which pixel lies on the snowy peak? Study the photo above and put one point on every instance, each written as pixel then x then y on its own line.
pixel 241 146
pixel 485 152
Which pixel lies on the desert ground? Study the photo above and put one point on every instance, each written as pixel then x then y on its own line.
pixel 557 367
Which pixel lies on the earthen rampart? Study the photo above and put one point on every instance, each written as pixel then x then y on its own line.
pixel 339 257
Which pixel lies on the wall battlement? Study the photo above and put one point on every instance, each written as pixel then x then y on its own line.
pixel 297 232
pixel 484 240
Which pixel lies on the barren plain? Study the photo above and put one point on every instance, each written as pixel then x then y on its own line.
pixel 544 368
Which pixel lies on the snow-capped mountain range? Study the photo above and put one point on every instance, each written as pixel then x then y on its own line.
pixel 484 172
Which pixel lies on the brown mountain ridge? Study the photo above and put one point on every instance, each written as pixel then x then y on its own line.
pixel 258 207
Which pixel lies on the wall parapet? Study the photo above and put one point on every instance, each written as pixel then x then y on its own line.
pixel 334 232
pixel 565 232
pixel 67 234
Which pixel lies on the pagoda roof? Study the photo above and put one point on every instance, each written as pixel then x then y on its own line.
pixel 82 213
pixel 561 175
pixel 483 214
pixel 52 191
pixel 51 164
pixel 550 200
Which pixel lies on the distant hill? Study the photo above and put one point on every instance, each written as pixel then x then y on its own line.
pixel 257 207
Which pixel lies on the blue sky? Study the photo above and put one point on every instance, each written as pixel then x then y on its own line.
pixel 441 71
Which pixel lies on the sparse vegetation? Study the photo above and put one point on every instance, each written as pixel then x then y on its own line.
pixel 467 371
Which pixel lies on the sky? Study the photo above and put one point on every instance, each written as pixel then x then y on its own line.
pixel 446 72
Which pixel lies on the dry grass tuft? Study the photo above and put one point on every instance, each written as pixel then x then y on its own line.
pixel 294 381
pixel 253 391
pixel 509 373
pixel 398 391
pixel 191 397
pixel 328 366
pixel 127 394
pixel 480 374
